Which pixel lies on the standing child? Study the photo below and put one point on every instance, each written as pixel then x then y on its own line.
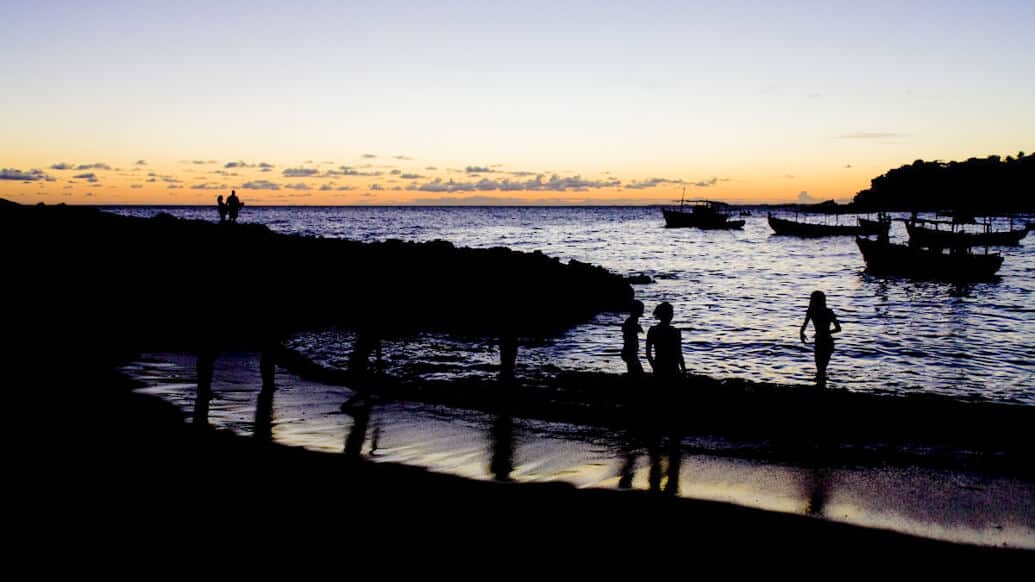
pixel 822 318
pixel 631 331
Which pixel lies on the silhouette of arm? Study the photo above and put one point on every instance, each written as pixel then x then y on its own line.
pixel 837 324
pixel 808 316
pixel 650 347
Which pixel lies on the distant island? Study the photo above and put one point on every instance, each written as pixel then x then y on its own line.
pixel 991 185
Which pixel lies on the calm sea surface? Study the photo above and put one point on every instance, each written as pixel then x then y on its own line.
pixel 739 296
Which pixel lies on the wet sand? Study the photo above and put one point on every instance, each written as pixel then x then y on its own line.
pixel 952 503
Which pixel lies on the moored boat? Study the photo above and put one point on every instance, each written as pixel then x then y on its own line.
pixel 959 264
pixel 784 226
pixel 925 233
pixel 704 214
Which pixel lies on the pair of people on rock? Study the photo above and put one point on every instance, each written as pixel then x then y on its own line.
pixel 665 342
pixel 231 207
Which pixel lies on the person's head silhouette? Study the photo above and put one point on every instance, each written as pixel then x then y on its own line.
pixel 664 312
pixel 818 300
pixel 637 308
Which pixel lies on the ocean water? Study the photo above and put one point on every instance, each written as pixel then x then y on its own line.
pixel 739 297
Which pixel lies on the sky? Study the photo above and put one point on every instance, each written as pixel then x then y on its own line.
pixel 519 102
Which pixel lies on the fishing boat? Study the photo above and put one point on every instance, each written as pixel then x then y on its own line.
pixel 957 263
pixel 926 233
pixel 784 226
pixel 705 214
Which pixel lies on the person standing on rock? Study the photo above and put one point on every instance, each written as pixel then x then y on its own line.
pixel 221 208
pixel 234 205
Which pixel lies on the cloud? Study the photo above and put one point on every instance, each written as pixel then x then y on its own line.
pixel 174 186
pixel 411 176
pixel 237 165
pixel 872 135
pixel 848 166
pixel 140 163
pixel 651 183
pixel 93 166
pixel 136 186
pixel 300 172
pixel 706 183
pixel 266 165
pixel 478 169
pixel 89 194
pixel 402 158
pixel 395 172
pixel 62 166
pixel 207 186
pixel 343 188
pixel 369 156
pixel 804 198
pixel 260 185
pixel 224 173
pixel 90 177
pixel 31 175
pixel 326 188
pixel 555 183
pixel 514 201
pixel 298 186
pixel 376 187
pixel 431 168
pixel 349 171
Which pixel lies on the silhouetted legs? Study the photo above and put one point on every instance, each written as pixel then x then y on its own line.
pixel 508 357
pixel 824 349
pixel 205 368
pixel 268 368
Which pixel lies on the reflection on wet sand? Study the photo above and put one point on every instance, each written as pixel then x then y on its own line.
pixel 264 414
pixel 958 505
pixel 501 442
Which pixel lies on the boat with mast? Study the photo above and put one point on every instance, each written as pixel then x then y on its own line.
pixel 927 233
pixel 703 214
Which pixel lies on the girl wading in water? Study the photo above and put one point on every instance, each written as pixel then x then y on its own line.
pixel 822 318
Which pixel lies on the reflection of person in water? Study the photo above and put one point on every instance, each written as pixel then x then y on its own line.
pixel 665 346
pixel 222 208
pixel 822 318
pixel 631 331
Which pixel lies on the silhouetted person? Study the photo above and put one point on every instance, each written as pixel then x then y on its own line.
pixel 665 346
pixel 222 208
pixel 822 318
pixel 233 206
pixel 631 331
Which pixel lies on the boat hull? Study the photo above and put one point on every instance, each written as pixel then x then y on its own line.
pixel 883 258
pixel 786 227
